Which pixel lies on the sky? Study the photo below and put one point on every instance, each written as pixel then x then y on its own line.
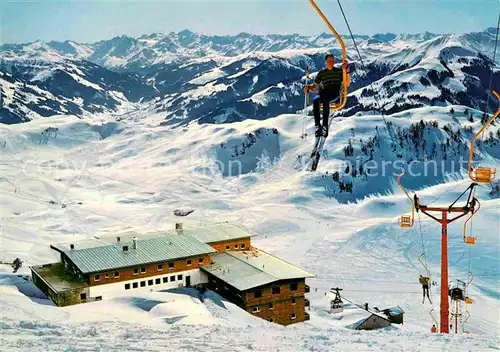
pixel 89 21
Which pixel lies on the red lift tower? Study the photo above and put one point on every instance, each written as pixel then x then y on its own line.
pixel 446 215
pixel 443 215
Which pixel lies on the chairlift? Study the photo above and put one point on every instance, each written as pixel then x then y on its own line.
pixel 482 174
pixel 406 220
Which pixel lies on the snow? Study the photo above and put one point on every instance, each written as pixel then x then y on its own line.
pixel 240 73
pixel 83 51
pixel 264 97
pixel 131 177
pixel 44 74
pixel 113 61
pixel 205 90
pixel 84 82
pixel 8 90
pixel 149 42
pixel 207 77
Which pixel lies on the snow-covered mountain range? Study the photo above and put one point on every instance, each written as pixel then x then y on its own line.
pixel 189 76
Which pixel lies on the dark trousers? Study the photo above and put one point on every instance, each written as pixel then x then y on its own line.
pixel 324 98
pixel 425 289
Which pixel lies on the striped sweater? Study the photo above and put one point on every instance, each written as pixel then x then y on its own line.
pixel 329 79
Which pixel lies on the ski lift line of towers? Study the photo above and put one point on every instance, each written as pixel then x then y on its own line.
pixel 478 175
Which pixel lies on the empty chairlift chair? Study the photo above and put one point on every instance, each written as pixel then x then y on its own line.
pixel 406 220
pixel 482 175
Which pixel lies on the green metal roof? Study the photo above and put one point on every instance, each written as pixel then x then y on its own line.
pixel 92 257
pixel 218 232
pixel 248 269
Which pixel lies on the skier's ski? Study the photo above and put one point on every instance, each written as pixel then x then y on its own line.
pixel 306 166
pixel 317 154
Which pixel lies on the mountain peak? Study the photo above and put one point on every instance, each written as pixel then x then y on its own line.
pixel 185 32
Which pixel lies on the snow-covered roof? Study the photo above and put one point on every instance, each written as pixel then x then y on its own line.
pixel 248 269
pixel 394 310
pixel 373 315
pixel 218 232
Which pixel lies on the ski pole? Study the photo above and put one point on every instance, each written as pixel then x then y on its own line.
pixel 306 102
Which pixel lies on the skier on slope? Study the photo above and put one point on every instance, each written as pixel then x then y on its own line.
pixel 330 81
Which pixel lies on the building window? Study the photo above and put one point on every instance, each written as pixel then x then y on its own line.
pixel 135 285
pixel 165 279
pixel 271 320
pixel 179 277
pixel 160 267
pixel 143 270
pixel 143 283
pixel 257 294
pixel 293 287
pixel 98 298
pixel 136 271
pixel 106 276
pixel 188 262
pixel 83 296
pixel 158 281
pixel 170 266
pixel 242 245
pixel 97 278
pixel 276 290
pixel 235 246
pixel 127 286
pixel 172 278
pixel 117 274
pixel 293 316
pixel 200 260
pixel 150 282
pixel 255 309
pixel 270 306
pixel 293 301
pixel 228 248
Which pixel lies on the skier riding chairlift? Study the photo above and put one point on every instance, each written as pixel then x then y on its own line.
pixel 330 81
pixel 424 280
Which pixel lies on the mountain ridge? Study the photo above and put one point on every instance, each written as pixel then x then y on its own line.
pixel 233 79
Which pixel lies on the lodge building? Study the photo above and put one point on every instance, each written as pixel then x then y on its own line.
pixel 219 257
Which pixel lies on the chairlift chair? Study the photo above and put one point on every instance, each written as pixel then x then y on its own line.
pixel 406 220
pixel 483 175
pixel 346 82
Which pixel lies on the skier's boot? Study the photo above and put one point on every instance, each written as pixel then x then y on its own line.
pixel 324 131
pixel 318 132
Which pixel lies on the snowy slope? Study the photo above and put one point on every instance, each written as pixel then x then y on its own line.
pixel 101 177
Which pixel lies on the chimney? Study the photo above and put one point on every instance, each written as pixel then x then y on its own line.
pixel 118 240
pixel 366 306
pixel 72 246
pixel 178 226
pixel 134 240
